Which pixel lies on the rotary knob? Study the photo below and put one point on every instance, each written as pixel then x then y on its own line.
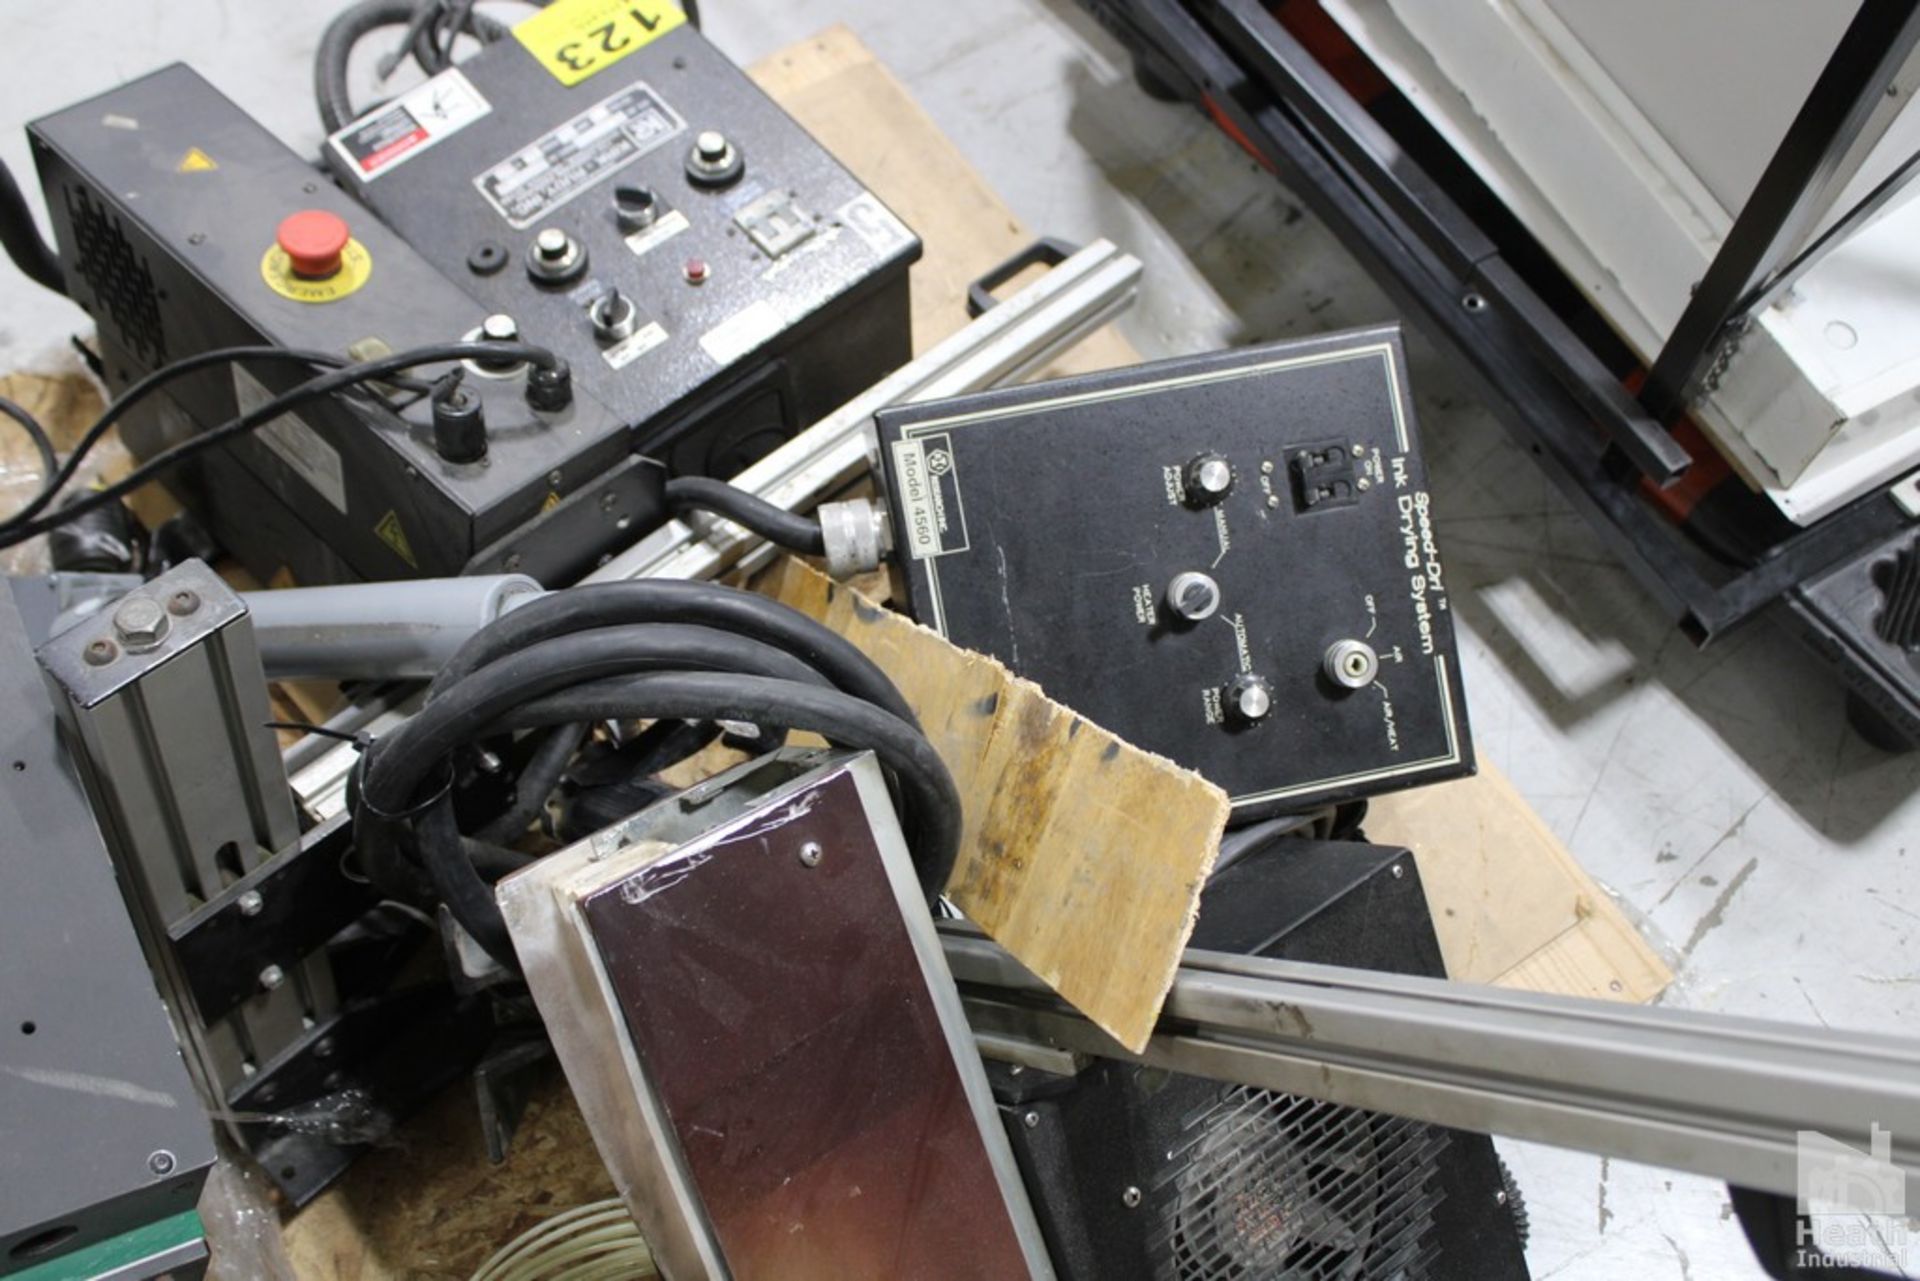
pixel 1248 698
pixel 1208 479
pixel 1193 596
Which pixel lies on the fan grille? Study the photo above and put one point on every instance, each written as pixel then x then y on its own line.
pixel 120 280
pixel 1270 1186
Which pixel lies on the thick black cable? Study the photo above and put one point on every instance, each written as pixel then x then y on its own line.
pixel 145 387
pixel 932 801
pixel 775 524
pixel 347 29
pixel 430 30
pixel 677 601
pixel 535 784
pixel 15 529
pixel 20 237
pixel 42 443
pixel 579 656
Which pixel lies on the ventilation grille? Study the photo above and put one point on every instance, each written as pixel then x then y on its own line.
pixel 121 284
pixel 1268 1187
pixel 1899 583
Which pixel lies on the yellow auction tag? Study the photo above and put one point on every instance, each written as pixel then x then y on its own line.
pixel 576 38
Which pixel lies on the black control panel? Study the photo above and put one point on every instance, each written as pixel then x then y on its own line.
pixel 1228 559
pixel 712 278
pixel 711 272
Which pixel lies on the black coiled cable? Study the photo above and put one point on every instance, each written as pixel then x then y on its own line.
pixel 633 650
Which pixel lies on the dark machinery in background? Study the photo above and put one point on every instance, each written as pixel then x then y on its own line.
pixel 644 269
pixel 91 1067
pixel 1612 435
pixel 1138 1172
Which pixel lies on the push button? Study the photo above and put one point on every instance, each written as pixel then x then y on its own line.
pixel 313 241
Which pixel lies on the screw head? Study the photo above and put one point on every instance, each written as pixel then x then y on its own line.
pixel 512 562
pixel 811 854
pixel 1131 1197
pixel 1500 1197
pixel 101 652
pixel 140 622
pixel 1030 1120
pixel 161 1162
pixel 250 903
pixel 609 501
pixel 1399 871
pixel 272 977
pixel 182 603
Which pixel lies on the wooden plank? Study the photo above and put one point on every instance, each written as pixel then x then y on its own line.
pixel 1082 855
pixel 1510 904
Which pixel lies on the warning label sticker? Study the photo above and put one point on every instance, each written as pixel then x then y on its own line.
pixel 297 445
pixel 390 135
pixel 389 531
pixel 553 169
pixel 936 524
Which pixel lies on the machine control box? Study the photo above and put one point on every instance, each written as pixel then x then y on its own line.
pixel 714 280
pixel 711 272
pixel 1228 559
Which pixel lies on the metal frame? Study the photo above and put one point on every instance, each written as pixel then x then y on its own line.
pixel 1822 149
pixel 1712 1095
pixel 1547 385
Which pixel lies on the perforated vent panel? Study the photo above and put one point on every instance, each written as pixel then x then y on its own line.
pixel 1269 1187
pixel 118 278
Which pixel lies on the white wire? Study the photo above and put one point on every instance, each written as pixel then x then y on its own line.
pixel 594 1242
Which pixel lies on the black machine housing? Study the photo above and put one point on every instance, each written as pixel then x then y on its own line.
pixel 1139 1174
pixel 1050 525
pixel 166 197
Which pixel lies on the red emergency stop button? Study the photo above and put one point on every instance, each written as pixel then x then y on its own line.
pixel 313 241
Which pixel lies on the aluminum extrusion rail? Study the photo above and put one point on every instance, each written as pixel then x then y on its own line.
pixel 1709 1094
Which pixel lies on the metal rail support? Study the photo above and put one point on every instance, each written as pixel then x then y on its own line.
pixel 1708 1094
pixel 1822 149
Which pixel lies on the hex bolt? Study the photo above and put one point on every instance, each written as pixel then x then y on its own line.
pixel 272 977
pixel 250 903
pixel 182 603
pixel 811 854
pixel 101 652
pixel 1030 1120
pixel 140 622
pixel 160 1162
pixel 1131 1197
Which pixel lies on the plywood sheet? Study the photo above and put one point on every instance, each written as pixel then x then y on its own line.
pixel 1510 905
pixel 1082 855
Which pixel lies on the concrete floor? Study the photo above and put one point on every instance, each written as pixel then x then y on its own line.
pixel 1719 794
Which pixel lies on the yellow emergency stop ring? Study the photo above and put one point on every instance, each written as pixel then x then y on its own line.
pixel 356 268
